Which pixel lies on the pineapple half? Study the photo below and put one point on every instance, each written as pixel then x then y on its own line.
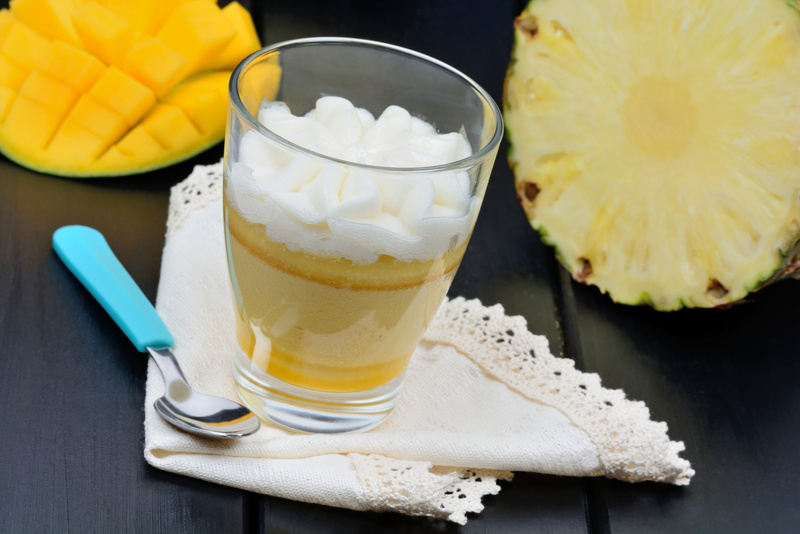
pixel 656 144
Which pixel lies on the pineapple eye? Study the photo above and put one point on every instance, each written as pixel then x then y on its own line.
pixel 716 290
pixel 530 191
pixel 528 25
pixel 585 272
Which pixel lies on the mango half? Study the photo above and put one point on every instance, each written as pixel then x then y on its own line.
pixel 116 87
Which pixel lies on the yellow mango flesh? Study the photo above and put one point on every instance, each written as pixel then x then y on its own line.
pixel 23 46
pixel 7 97
pixel 99 120
pixel 112 87
pixel 51 18
pixel 155 65
pixel 203 101
pixel 104 33
pixel 245 38
pixel 13 76
pixel 71 66
pixel 145 16
pixel 198 31
pixel 123 94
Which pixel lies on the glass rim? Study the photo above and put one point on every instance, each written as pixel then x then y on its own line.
pixel 463 163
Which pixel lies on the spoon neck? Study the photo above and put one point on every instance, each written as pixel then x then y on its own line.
pixel 166 362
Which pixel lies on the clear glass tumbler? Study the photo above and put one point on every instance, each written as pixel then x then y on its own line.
pixel 342 244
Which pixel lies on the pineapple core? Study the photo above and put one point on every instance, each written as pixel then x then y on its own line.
pixel 659 117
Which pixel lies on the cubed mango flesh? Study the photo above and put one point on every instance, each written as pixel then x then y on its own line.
pixel 198 31
pixel 114 87
pixel 145 16
pixel 6 21
pixel 98 119
pixel 51 18
pixel 123 94
pixel 55 96
pixel 104 33
pixel 154 64
pixel 7 97
pixel 245 41
pixel 263 81
pixel 139 144
pixel 72 66
pixel 23 46
pixel 202 102
pixel 77 143
pixel 11 75
pixel 33 123
pixel 170 126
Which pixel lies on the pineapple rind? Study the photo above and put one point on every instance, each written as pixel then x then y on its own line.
pixel 738 249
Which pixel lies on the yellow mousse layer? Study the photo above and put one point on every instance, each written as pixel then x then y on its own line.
pixel 329 324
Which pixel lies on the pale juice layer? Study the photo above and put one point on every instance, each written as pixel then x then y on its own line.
pixel 329 324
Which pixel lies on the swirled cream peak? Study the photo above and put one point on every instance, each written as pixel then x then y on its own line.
pixel 335 209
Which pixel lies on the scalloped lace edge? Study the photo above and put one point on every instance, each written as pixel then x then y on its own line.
pixel 422 489
pixel 630 445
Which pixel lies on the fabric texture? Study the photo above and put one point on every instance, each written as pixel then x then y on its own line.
pixel 483 397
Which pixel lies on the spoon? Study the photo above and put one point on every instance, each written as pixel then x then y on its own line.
pixel 87 255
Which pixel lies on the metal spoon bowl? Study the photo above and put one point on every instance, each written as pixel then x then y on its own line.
pixel 201 414
pixel 87 255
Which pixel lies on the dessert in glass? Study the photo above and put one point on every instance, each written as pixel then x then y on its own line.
pixel 353 175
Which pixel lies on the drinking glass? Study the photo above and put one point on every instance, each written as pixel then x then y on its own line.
pixel 338 266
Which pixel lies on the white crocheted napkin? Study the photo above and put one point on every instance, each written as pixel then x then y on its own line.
pixel 483 397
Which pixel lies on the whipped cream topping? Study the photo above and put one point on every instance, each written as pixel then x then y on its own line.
pixel 338 210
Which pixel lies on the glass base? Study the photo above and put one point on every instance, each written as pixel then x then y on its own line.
pixel 309 411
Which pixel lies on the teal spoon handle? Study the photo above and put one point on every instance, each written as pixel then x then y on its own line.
pixel 86 253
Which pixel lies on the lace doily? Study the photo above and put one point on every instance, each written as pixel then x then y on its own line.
pixel 630 446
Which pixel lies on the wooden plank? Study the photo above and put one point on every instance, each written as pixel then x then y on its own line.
pixel 726 383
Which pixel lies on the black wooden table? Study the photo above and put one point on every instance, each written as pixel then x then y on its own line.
pixel 72 387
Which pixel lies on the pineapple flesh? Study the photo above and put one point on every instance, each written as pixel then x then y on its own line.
pixel 656 144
